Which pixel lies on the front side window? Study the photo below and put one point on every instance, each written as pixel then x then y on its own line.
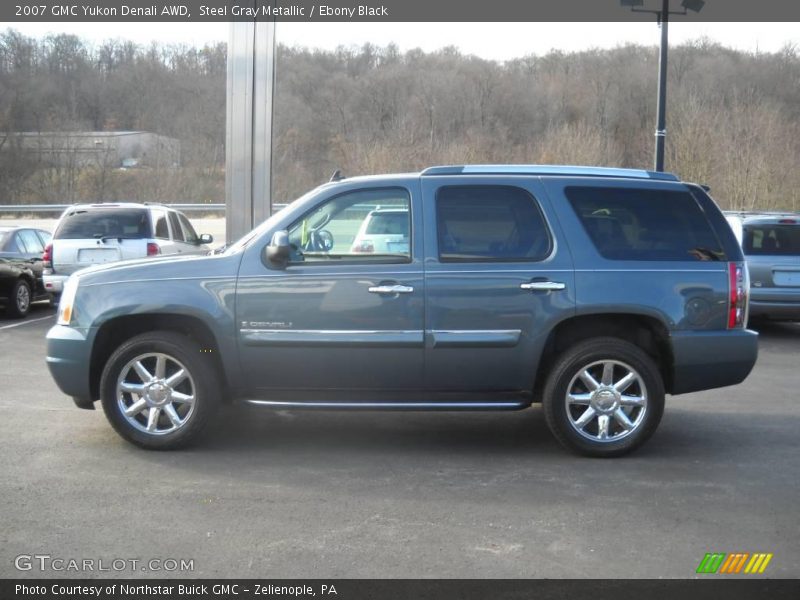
pixel 645 224
pixel 189 233
pixel 490 223
pixel 366 225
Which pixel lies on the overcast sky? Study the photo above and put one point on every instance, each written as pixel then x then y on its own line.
pixel 498 41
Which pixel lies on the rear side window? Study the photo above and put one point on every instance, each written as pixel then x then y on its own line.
pixel 772 240
pixel 31 241
pixel 490 223
pixel 161 227
pixel 645 224
pixel 104 222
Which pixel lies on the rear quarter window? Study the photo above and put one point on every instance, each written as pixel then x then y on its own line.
pixel 88 224
pixel 645 224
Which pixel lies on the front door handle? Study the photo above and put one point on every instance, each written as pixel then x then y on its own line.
pixel 391 289
pixel 543 286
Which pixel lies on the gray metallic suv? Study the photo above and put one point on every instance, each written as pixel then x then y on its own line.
pixel 592 291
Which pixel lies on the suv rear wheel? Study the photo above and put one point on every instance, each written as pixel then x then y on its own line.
pixel 604 397
pixel 158 390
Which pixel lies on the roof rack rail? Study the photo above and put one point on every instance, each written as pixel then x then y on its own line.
pixel 548 170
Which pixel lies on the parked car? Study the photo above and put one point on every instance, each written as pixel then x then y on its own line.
pixel 21 268
pixel 384 231
pixel 91 234
pixel 771 244
pixel 593 291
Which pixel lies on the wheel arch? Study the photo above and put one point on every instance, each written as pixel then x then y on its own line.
pixel 112 333
pixel 647 332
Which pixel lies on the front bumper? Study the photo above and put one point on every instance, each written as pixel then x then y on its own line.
pixel 703 360
pixel 69 361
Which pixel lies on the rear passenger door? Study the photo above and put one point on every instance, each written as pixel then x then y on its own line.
pixel 498 275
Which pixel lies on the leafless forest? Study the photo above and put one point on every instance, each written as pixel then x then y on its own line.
pixel 733 117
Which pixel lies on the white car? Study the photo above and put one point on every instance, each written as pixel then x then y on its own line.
pixel 384 231
pixel 92 234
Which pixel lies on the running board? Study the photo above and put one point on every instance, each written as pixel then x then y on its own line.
pixel 282 404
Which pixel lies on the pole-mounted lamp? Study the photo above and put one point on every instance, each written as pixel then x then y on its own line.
pixel 663 19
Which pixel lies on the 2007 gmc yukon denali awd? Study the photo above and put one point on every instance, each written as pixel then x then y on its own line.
pixel 593 291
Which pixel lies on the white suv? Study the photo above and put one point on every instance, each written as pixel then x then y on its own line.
pixel 91 234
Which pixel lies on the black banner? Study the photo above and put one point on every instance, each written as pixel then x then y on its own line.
pixel 54 11
pixel 388 589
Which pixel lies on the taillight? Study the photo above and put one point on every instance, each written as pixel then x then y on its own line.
pixel 738 289
pixel 787 221
pixel 364 248
pixel 153 249
pixel 47 257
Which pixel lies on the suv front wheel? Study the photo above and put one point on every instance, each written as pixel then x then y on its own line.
pixel 604 397
pixel 159 390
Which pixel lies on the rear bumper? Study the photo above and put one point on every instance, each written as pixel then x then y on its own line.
pixel 54 283
pixel 704 360
pixel 68 358
pixel 780 311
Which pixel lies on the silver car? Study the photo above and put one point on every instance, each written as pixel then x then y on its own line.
pixel 92 234
pixel 771 245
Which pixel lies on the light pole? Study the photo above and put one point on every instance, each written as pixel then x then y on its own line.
pixel 663 20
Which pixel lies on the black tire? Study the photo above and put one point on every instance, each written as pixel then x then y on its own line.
pixel 19 304
pixel 203 381
pixel 593 355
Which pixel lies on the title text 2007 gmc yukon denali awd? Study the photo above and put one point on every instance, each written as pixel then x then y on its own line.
pixel 593 291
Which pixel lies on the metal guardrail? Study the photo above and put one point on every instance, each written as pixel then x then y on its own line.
pixel 59 208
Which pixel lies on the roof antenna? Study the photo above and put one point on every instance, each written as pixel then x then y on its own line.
pixel 337 175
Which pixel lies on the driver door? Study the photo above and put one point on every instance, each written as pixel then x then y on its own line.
pixel 347 311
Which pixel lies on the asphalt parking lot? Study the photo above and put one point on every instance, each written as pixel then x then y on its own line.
pixel 328 495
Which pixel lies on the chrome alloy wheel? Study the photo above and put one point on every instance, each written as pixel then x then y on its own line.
pixel 155 393
pixel 23 298
pixel 606 401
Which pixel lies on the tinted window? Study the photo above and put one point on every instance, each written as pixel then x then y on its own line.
pixel 340 228
pixel 31 241
pixel 177 233
pixel 188 231
pixel 490 223
pixel 161 228
pixel 645 224
pixel 100 222
pixel 772 240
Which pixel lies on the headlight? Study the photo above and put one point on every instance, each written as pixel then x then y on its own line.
pixel 67 300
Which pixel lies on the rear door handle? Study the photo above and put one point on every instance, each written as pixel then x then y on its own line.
pixel 391 289
pixel 543 286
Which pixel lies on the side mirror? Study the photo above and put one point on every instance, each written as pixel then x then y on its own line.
pixel 205 238
pixel 279 250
